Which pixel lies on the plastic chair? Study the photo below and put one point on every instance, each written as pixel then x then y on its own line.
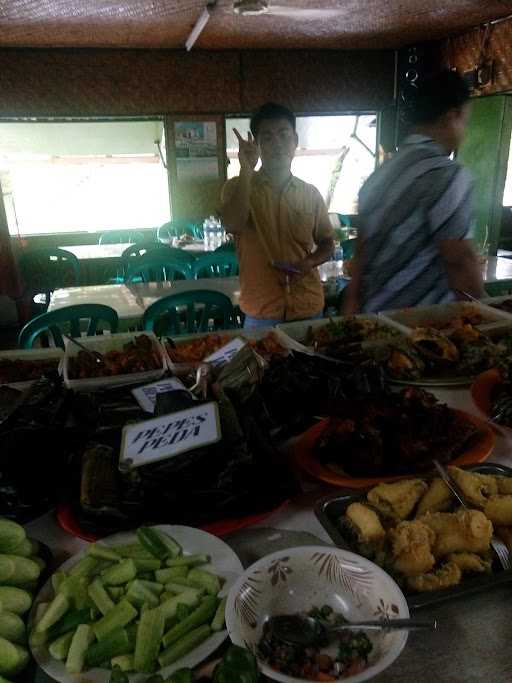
pixel 121 237
pixel 216 264
pixel 44 270
pixel 67 320
pixel 198 308
pixel 349 248
pixel 158 267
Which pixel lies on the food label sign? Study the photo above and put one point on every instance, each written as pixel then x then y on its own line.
pixel 169 435
pixel 146 395
pixel 226 352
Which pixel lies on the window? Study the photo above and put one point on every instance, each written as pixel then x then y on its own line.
pixel 88 176
pixel 335 153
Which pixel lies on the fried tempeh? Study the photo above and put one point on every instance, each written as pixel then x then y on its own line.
pixel 504 484
pixel 447 575
pixel 438 498
pixel 476 487
pixel 499 509
pixel 470 562
pixel 399 498
pixel 412 548
pixel 464 530
pixel 366 522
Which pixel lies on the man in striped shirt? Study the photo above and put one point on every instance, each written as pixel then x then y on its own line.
pixel 414 245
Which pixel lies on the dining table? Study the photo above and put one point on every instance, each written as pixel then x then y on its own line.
pixel 131 300
pixel 472 641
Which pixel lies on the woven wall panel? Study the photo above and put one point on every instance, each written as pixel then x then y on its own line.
pixel 131 83
pixel 463 52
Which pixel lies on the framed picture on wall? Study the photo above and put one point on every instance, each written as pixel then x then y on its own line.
pixel 196 148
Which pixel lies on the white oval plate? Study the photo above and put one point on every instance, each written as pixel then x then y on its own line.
pixel 224 562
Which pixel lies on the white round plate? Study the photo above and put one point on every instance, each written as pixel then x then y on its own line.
pixel 224 563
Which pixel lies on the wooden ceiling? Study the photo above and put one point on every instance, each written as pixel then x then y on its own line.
pixel 354 24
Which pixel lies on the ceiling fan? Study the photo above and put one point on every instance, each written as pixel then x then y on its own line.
pixel 247 8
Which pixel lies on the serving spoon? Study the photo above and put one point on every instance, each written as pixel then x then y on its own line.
pixel 95 354
pixel 303 630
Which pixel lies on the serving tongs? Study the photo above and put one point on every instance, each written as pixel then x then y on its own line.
pixel 95 354
pixel 500 549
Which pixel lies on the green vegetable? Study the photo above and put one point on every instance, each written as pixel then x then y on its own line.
pixel 69 622
pixel 6 568
pixel 133 550
pixel 124 662
pixel 4 680
pixel 120 573
pixel 75 590
pixel 59 648
pixel 146 565
pixel 171 573
pixel 121 615
pixel 115 592
pixel 169 607
pixel 100 597
pixel 12 535
pixel 188 560
pixel 157 543
pixel 103 552
pixel 114 644
pixel 173 587
pixel 203 579
pixel 140 595
pixel 13 658
pixel 81 640
pixel 85 567
pixel 37 639
pixel 183 611
pixel 12 628
pixel 25 570
pixel 219 618
pixel 56 609
pixel 183 646
pixel 154 586
pixel 204 613
pixel 39 561
pixel 14 600
pixel 57 580
pixel 26 548
pixel 149 636
pixel 237 666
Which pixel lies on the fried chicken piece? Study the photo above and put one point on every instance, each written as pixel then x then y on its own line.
pixel 476 487
pixel 447 575
pixel 499 509
pixel 437 499
pixel 505 533
pixel 504 484
pixel 464 530
pixel 470 563
pixel 366 523
pixel 399 498
pixel 412 548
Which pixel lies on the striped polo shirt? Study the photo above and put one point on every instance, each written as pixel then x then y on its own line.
pixel 411 203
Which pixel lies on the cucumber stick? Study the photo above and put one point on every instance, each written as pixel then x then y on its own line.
pixel 13 658
pixel 116 643
pixel 119 573
pixel 12 628
pixel 37 639
pixel 171 573
pixel 169 607
pixel 82 638
pixel 103 552
pixel 11 535
pixel 203 579
pixel 144 564
pixel 173 587
pixel 159 544
pixel 220 616
pixel 124 662
pixel 100 597
pixel 56 609
pixel 115 592
pixel 59 648
pixel 69 622
pixel 183 646
pixel 149 636
pixel 85 567
pixel 74 588
pixel 201 615
pixel 14 600
pixel 133 550
pixel 121 615
pixel 188 560
pixel 139 594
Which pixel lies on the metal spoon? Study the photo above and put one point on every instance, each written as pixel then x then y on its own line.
pixel 95 354
pixel 302 630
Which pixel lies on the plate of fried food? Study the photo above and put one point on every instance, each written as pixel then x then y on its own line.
pixel 390 436
pixel 416 531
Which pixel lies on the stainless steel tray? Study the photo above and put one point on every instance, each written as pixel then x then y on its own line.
pixel 330 508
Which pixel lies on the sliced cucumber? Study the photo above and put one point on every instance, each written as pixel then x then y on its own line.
pixel 56 609
pixel 12 535
pixel 120 573
pixel 149 636
pixel 14 600
pixel 121 615
pixel 203 579
pixel 185 645
pixel 116 643
pixel 59 648
pixel 12 628
pixel 13 658
pixel 82 638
